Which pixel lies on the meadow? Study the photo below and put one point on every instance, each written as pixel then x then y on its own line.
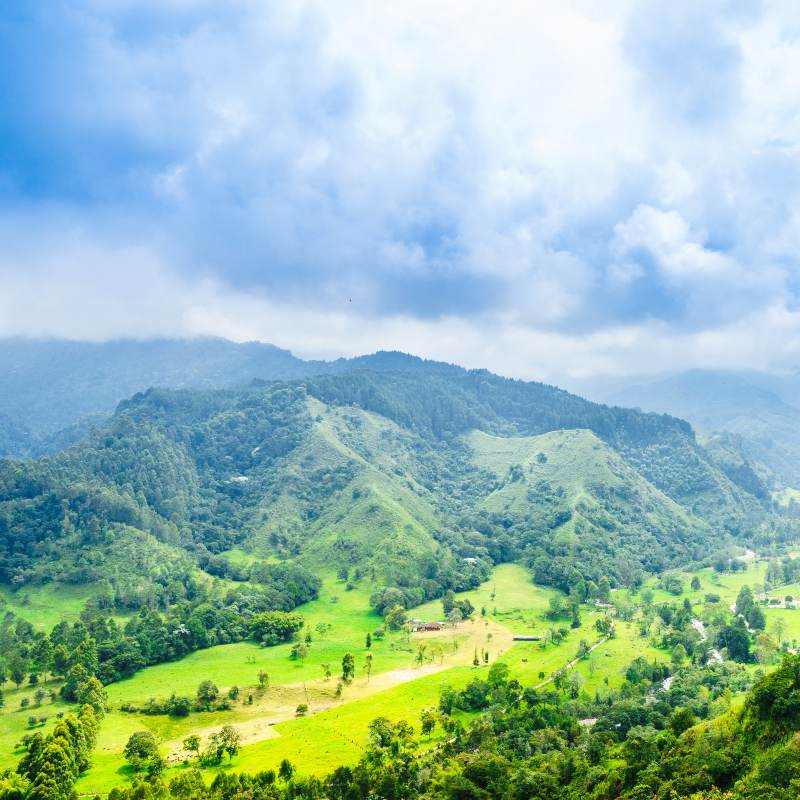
pixel 402 684
pixel 408 674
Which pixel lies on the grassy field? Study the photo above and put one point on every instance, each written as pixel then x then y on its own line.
pixel 44 606
pixel 401 685
pixel 14 719
pixel 335 731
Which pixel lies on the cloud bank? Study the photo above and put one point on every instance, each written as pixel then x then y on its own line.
pixel 543 189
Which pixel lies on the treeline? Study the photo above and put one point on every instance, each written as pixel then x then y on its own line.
pixel 98 646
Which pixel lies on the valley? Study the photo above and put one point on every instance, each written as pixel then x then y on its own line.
pixel 408 674
pixel 242 581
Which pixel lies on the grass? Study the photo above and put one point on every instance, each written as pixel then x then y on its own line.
pixel 347 612
pixel 14 719
pixel 45 606
pixel 336 730
pixel 605 668
pixel 335 735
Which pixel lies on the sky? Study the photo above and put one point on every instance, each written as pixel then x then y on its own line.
pixel 552 190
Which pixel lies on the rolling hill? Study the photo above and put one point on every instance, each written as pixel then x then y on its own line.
pixel 421 477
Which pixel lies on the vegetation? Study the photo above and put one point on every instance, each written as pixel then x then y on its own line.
pixel 268 579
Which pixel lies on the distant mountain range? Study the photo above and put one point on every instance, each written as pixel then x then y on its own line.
pixel 757 414
pixel 52 392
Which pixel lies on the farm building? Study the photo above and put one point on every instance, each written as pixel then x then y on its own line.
pixel 527 638
pixel 426 626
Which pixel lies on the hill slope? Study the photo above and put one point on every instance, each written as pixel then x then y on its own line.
pixel 381 471
pixel 764 428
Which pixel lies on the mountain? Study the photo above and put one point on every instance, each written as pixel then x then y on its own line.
pixel 49 385
pixel 753 419
pixel 422 477
pixel 52 392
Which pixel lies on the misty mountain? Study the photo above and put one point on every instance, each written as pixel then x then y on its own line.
pixel 52 392
pixel 747 412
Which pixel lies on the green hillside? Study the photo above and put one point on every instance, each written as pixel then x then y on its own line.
pixel 258 538
pixel 600 505
pixel 369 470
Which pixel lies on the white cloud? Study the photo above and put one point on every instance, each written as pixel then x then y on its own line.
pixel 481 180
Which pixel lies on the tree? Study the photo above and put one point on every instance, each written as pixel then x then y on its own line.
pixel 17 669
pixel 428 721
pixel 737 642
pixel 229 739
pixel 39 695
pixel 368 665
pixel 681 720
pixel 395 617
pixel 556 607
pixel 140 749
pixel 744 601
pixel 299 651
pixel 191 744
pixel 263 680
pixel 348 668
pixel 43 656
pixel 695 584
pixel 272 627
pixel 286 770
pixel 60 660
pixel 76 677
pixel 678 654
pixel 207 693
pixel 454 617
pixel 368 641
pixel 755 618
pixel 779 628
pixel 93 693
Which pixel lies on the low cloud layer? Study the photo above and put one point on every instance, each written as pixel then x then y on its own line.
pixel 547 190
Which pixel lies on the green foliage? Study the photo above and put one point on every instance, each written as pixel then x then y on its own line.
pixel 271 627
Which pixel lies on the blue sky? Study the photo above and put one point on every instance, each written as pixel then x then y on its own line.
pixel 544 189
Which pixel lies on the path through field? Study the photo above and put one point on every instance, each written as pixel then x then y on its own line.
pixel 482 634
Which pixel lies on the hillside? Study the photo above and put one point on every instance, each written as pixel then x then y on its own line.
pixel 597 506
pixel 757 413
pixel 374 470
pixel 53 391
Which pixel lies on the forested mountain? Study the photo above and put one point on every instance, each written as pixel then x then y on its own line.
pixel 756 415
pixel 423 477
pixel 49 385
pixel 52 391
